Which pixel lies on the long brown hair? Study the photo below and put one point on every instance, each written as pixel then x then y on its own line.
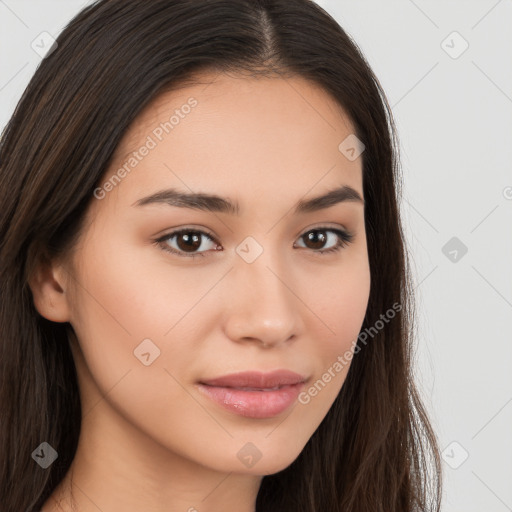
pixel 375 450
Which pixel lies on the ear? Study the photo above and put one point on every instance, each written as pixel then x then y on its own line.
pixel 49 290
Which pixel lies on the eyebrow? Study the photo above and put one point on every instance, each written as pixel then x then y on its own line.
pixel 214 203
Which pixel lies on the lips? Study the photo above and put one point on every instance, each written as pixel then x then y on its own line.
pixel 257 380
pixel 255 394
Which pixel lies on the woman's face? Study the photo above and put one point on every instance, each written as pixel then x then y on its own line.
pixel 154 324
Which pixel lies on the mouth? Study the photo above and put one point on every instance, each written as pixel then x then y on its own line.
pixel 255 394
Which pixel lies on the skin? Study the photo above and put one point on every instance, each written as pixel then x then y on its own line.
pixel 149 439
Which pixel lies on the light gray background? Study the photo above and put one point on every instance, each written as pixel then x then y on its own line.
pixel 454 117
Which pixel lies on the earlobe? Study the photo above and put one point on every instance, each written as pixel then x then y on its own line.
pixel 49 291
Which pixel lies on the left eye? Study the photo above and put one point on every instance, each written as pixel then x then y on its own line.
pixel 318 236
pixel 187 242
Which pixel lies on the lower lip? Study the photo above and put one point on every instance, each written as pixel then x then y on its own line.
pixel 254 404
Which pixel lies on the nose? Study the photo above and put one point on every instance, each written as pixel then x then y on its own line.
pixel 262 307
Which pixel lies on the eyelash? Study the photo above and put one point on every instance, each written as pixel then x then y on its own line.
pixel 345 238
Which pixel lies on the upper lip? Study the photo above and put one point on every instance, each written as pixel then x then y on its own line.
pixel 255 379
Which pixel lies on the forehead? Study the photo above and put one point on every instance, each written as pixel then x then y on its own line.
pixel 236 135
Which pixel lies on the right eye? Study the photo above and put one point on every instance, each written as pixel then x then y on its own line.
pixel 187 242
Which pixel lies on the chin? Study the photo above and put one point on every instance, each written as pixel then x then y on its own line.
pixel 269 463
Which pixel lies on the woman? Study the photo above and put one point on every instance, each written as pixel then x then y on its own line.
pixel 205 297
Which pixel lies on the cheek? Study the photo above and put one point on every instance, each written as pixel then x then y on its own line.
pixel 339 303
pixel 122 307
pixel 134 292
pixel 340 300
pixel 132 315
pixel 134 297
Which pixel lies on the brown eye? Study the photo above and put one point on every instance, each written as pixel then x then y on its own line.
pixel 186 242
pixel 315 239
